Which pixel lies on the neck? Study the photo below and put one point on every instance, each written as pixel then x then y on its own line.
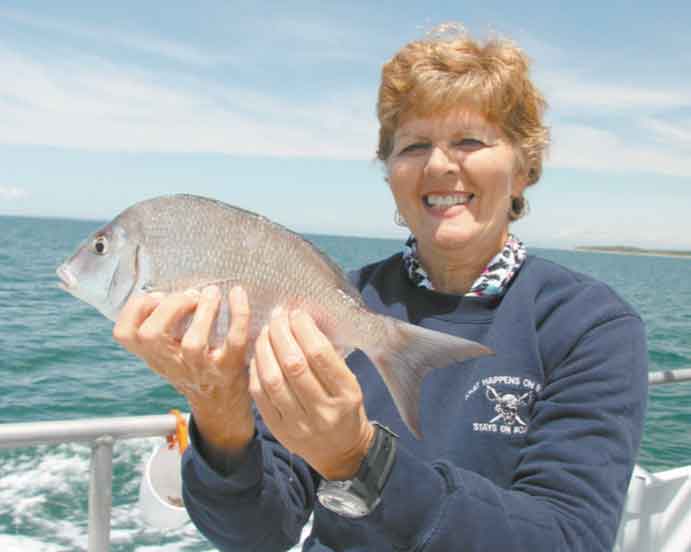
pixel 455 271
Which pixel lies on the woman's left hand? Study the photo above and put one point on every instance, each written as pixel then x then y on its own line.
pixel 308 397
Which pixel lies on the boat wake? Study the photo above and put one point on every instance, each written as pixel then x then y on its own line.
pixel 44 494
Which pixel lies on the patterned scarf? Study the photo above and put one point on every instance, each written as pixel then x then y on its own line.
pixel 492 281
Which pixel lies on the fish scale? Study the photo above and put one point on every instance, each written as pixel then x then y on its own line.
pixel 173 243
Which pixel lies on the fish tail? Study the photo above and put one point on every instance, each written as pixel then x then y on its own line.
pixel 407 354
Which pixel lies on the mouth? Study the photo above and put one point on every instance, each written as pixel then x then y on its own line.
pixel 67 279
pixel 442 202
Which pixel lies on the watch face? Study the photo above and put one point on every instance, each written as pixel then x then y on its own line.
pixel 342 502
pixel 357 497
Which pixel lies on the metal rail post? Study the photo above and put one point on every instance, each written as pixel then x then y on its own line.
pixel 100 493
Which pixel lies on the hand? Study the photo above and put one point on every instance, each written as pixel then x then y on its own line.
pixel 308 397
pixel 214 381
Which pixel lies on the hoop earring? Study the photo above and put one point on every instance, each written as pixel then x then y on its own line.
pixel 519 208
pixel 399 220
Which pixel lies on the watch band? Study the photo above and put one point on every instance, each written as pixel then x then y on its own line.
pixel 357 497
pixel 376 466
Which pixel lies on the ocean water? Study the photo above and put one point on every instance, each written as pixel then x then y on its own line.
pixel 58 361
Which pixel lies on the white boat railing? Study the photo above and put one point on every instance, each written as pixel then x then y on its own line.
pixel 101 434
pixel 669 376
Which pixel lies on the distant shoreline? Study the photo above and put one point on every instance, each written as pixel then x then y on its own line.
pixel 616 250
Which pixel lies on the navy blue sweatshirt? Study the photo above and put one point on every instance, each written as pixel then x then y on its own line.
pixel 528 450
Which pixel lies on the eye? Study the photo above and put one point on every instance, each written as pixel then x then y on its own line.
pixel 416 147
pixel 469 144
pixel 100 245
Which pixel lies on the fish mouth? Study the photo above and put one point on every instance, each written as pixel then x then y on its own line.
pixel 67 279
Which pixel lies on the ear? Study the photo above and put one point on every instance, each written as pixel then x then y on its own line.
pixel 386 173
pixel 519 184
pixel 521 176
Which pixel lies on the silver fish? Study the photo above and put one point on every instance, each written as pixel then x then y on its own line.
pixel 174 243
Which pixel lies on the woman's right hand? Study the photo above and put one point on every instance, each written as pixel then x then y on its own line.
pixel 214 381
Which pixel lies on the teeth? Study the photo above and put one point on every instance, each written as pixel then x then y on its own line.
pixel 447 200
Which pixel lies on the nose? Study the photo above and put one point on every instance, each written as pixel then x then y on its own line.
pixel 441 162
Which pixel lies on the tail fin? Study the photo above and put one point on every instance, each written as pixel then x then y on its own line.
pixel 408 354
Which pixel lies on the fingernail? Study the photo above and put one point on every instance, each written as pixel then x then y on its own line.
pixel 240 293
pixel 295 313
pixel 278 311
pixel 211 292
pixel 157 295
pixel 192 293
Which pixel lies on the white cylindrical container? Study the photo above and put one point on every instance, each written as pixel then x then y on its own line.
pixel 160 491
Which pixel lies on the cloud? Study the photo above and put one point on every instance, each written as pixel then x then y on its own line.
pixel 89 102
pixel 319 39
pixel 175 50
pixel 92 104
pixel 312 38
pixel 587 147
pixel 570 91
pixel 11 193
pixel 676 134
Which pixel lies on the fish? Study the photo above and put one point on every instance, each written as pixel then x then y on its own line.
pixel 174 243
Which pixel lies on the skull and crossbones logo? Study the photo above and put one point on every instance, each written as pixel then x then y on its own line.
pixel 507 406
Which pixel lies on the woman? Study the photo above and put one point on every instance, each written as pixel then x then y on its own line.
pixel 530 449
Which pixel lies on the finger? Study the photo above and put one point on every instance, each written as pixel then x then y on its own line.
pixel 195 342
pixel 234 350
pixel 271 379
pixel 133 314
pixel 326 364
pixel 168 316
pixel 266 408
pixel 306 387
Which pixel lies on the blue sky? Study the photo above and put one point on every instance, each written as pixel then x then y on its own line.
pixel 271 106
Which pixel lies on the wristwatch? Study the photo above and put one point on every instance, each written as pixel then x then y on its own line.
pixel 357 497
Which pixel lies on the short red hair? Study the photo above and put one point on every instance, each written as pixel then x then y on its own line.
pixel 448 70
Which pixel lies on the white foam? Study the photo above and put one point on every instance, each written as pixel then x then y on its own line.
pixel 17 543
pixel 44 491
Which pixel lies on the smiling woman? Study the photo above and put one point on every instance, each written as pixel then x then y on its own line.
pixel 453 183
pixel 529 449
pixel 462 137
pixel 431 77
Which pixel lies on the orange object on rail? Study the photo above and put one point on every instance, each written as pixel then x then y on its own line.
pixel 180 436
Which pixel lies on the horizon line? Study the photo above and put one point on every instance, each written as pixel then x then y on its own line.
pixel 322 234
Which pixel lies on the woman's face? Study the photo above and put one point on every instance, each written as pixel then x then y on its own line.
pixel 452 177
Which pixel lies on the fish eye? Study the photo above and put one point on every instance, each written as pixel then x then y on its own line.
pixel 100 245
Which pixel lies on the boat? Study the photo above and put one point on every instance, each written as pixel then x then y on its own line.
pixel 656 515
pixel 657 512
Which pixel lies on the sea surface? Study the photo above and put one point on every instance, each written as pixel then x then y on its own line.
pixel 58 361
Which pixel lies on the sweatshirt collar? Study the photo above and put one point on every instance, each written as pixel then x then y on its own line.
pixel 494 278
